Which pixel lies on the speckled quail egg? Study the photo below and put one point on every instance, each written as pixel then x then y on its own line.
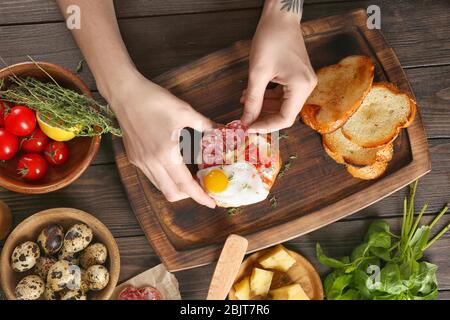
pixel 94 254
pixel 50 294
pixel 77 238
pixel 84 284
pixel 24 256
pixel 30 288
pixel 64 275
pixel 98 277
pixel 43 264
pixel 74 295
pixel 68 256
pixel 51 239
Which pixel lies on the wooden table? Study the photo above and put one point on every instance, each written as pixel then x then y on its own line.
pixel 162 34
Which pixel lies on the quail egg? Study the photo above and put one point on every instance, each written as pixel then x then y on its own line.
pixel 64 275
pixel 74 295
pixel 98 277
pixel 30 288
pixel 68 256
pixel 77 238
pixel 24 256
pixel 43 264
pixel 84 284
pixel 94 254
pixel 50 294
pixel 51 239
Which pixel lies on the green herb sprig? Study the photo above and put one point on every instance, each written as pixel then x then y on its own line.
pixel 386 266
pixel 60 107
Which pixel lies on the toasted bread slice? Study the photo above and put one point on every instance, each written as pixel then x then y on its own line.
pixel 371 172
pixel 361 163
pixel 378 120
pixel 340 90
pixel 344 151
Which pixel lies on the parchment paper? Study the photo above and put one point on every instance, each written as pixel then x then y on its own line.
pixel 157 277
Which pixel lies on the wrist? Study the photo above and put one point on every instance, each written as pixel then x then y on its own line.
pixel 274 9
pixel 117 82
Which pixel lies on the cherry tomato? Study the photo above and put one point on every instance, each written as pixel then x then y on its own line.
pixel 35 142
pixel 32 166
pixel 20 121
pixel 9 144
pixel 56 152
pixel 4 108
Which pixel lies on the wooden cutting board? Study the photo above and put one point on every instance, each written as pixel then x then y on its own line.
pixel 313 193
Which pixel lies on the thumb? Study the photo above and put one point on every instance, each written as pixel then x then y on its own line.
pixel 254 98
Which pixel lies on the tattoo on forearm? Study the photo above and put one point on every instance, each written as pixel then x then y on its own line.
pixel 295 6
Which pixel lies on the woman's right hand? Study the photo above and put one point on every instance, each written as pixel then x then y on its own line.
pixel 151 119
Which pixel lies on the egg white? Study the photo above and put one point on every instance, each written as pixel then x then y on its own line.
pixel 245 185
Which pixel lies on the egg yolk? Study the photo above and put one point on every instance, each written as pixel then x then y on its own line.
pixel 215 181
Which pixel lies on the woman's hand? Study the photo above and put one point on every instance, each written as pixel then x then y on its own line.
pixel 151 119
pixel 278 55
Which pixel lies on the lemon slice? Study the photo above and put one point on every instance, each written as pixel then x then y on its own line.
pixel 56 133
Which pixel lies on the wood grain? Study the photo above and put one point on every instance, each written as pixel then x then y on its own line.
pixel 189 37
pixel 33 11
pixel 227 267
pixel 100 191
pixel 337 240
pixel 186 235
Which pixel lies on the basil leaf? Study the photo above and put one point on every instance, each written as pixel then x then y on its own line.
pixel 337 286
pixel 377 226
pixel 381 253
pixel 359 251
pixel 350 294
pixel 419 241
pixel 391 282
pixel 329 262
pixel 360 281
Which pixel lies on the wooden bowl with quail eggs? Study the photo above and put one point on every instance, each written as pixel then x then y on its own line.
pixel 60 254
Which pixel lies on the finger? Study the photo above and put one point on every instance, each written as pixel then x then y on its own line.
pixel 254 96
pixel 197 121
pixel 275 93
pixel 186 184
pixel 164 182
pixel 292 102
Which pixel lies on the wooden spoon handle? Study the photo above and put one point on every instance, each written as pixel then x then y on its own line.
pixel 227 267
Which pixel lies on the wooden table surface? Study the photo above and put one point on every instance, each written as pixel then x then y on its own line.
pixel 162 34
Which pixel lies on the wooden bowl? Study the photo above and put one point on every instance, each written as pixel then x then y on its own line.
pixel 82 150
pixel 29 230
pixel 302 272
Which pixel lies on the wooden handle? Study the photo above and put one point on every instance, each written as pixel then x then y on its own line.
pixel 227 267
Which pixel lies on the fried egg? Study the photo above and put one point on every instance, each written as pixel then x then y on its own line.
pixel 233 185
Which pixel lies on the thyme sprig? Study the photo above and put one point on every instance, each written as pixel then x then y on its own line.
pixel 60 107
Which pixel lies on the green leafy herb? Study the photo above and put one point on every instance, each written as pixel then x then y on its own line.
pixel 60 107
pixel 285 168
pixel 273 202
pixel 79 66
pixel 283 135
pixel 233 211
pixel 386 266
